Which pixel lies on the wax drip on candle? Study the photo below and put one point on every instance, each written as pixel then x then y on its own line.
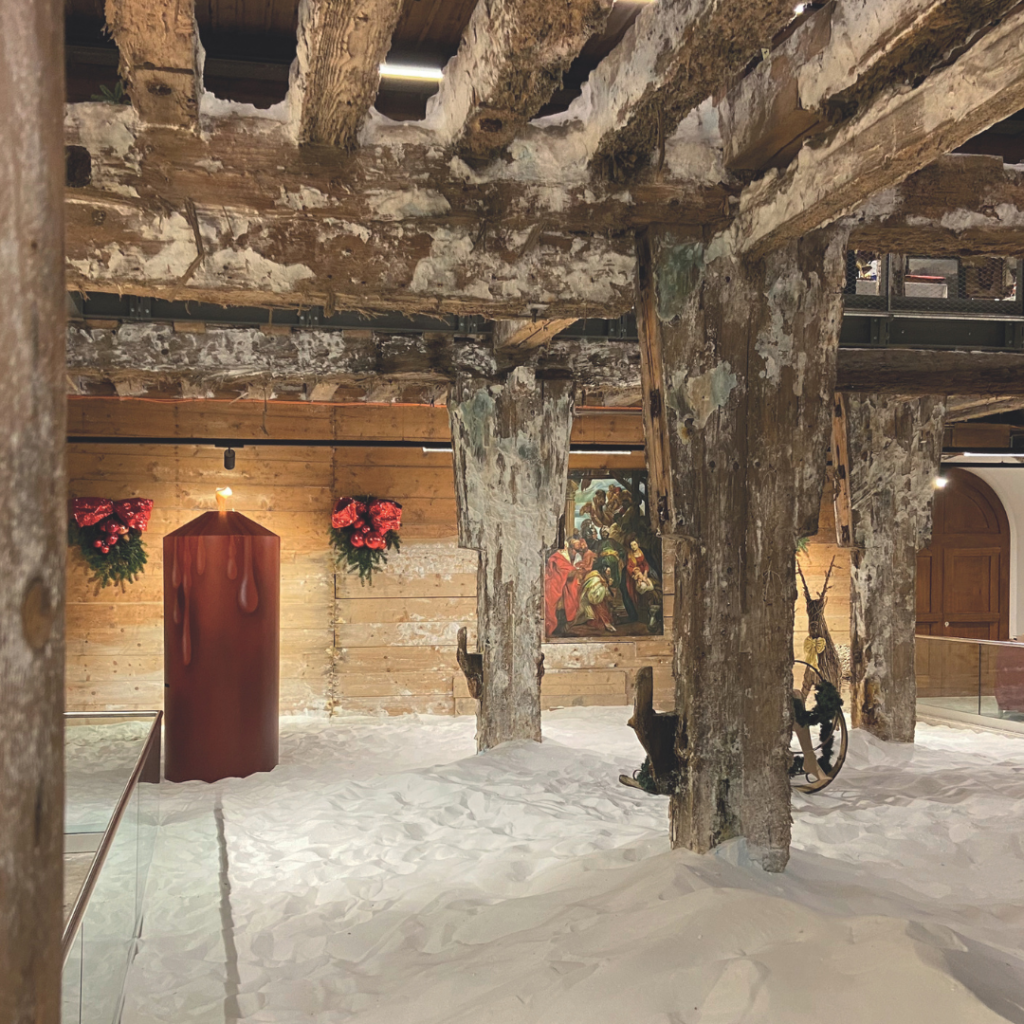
pixel 176 583
pixel 200 555
pixel 232 558
pixel 186 631
pixel 248 596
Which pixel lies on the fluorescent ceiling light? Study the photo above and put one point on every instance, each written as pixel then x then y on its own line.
pixel 412 72
pixel 984 455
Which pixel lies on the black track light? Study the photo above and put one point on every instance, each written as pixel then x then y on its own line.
pixel 229 458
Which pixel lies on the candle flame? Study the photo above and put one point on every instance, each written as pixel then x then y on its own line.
pixel 222 495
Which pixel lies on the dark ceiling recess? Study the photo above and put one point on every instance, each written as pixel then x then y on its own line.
pixel 1005 139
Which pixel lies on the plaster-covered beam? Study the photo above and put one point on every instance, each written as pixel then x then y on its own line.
pixel 510 62
pixel 960 205
pixel 241 215
pixel 150 354
pixel 906 371
pixel 161 58
pixel 673 57
pixel 227 357
pixel 903 130
pixel 835 64
pixel 336 72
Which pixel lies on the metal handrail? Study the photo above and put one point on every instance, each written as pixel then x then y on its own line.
pixel 969 640
pixel 152 743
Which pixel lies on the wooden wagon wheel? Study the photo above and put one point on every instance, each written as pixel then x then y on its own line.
pixel 807 760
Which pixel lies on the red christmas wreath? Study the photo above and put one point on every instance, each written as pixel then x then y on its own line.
pixel 362 531
pixel 109 536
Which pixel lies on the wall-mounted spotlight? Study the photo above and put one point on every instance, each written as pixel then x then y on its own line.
pixel 939 482
pixel 229 458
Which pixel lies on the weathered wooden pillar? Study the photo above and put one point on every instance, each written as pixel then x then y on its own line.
pixel 894 448
pixel 739 365
pixel 32 511
pixel 510 444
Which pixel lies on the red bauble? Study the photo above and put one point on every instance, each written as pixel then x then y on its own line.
pixel 112 540
pixel 97 543
pixel 104 549
pixel 356 540
pixel 375 541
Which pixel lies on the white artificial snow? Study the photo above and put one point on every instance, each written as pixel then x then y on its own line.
pixel 385 874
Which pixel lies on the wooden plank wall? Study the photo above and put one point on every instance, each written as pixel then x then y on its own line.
pixel 386 647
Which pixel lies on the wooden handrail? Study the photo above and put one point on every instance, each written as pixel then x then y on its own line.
pixel 141 766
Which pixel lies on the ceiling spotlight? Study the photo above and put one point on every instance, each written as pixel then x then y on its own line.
pixel 229 458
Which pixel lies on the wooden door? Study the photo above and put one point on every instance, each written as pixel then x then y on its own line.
pixel 963 577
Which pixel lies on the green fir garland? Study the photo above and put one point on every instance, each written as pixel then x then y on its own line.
pixel 123 563
pixel 366 561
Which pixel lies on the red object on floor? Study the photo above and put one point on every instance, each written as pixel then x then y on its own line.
pixel 222 601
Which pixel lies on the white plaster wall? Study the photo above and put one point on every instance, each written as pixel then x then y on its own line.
pixel 1009 487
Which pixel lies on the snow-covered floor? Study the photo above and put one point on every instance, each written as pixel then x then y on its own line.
pixel 385 874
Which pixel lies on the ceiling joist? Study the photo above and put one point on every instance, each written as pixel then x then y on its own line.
pixel 161 58
pixel 510 62
pixel 334 80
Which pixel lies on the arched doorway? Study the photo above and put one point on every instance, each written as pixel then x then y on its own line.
pixel 963 576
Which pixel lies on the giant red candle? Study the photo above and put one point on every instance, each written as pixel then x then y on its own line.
pixel 222 600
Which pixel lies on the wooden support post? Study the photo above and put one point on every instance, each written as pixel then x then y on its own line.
pixel 748 354
pixel 510 445
pixel 895 447
pixel 32 510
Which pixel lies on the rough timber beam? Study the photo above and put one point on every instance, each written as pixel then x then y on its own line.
pixel 241 215
pixel 510 449
pixel 32 511
pixel 161 58
pixel 510 62
pixel 674 57
pixel 960 205
pixel 157 354
pixel 227 357
pixel 835 64
pixel 336 72
pixel 901 132
pixel 894 446
pixel 526 335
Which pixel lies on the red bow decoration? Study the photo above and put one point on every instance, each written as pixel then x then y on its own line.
pixel 90 511
pixel 385 515
pixel 133 512
pixel 346 512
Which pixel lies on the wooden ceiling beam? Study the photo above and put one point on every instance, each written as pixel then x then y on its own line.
pixel 835 65
pixel 960 205
pixel 161 58
pixel 525 335
pixel 241 215
pixel 154 354
pixel 336 73
pixel 674 57
pixel 510 63
pixel 902 131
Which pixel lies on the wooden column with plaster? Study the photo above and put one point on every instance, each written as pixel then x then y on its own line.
pixel 745 356
pixel 32 509
pixel 894 447
pixel 510 445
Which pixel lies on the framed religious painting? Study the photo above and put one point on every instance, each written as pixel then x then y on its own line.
pixel 604 579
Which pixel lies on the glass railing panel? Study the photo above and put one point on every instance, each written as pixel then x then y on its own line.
pixel 111 815
pixel 100 752
pixel 71 985
pixel 978 677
